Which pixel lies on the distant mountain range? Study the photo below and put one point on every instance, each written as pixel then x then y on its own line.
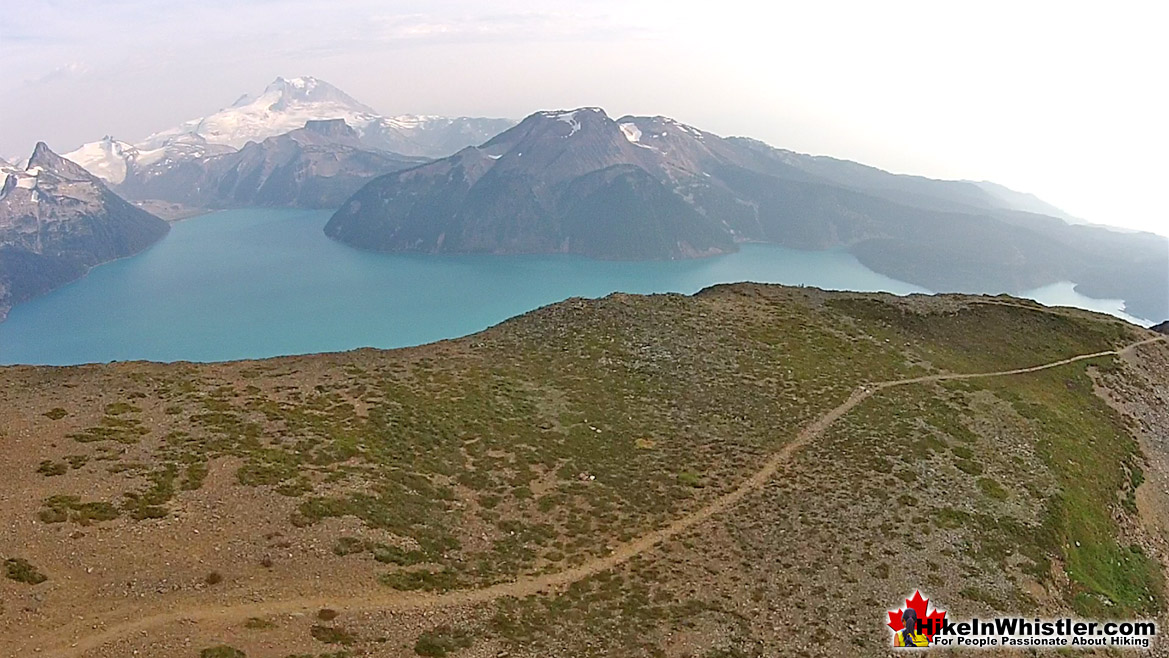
pixel 193 162
pixel 650 187
pixel 286 104
pixel 56 221
pixel 316 166
pixel 301 143
pixel 573 181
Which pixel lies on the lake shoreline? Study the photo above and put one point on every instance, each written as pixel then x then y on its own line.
pixel 257 283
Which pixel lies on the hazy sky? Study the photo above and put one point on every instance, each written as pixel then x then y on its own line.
pixel 1063 99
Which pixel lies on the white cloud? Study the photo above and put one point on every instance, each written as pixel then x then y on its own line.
pixel 63 72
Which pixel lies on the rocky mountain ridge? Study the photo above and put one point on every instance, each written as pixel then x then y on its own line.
pixel 56 221
pixel 316 166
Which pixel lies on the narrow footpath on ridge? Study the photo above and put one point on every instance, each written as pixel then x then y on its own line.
pixel 538 584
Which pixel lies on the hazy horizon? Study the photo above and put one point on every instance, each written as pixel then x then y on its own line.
pixel 1056 101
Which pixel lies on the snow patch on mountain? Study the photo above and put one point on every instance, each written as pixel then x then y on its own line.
pixel 691 130
pixel 113 160
pixel 107 158
pixel 284 105
pixel 24 178
pixel 287 104
pixel 570 119
pixel 633 134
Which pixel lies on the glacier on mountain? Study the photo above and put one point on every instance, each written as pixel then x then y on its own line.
pixel 285 105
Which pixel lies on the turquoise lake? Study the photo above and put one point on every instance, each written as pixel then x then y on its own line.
pixel 255 283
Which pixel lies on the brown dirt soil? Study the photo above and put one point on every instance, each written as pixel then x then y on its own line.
pixel 151 576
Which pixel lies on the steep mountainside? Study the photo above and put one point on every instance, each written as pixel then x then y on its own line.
pixel 750 471
pixel 558 182
pixel 56 221
pixel 580 182
pixel 316 166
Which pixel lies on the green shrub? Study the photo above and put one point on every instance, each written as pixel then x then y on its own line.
pixel 49 468
pixel 332 635
pixel 992 488
pixel 394 555
pixel 969 467
pixel 222 651
pixel 119 408
pixel 58 509
pixel 22 571
pixel 348 546
pixel 424 580
pixel 441 641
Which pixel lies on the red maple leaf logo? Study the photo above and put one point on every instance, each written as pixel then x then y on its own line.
pixel 931 623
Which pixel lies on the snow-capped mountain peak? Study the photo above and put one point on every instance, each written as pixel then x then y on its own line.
pixel 62 175
pixel 285 94
pixel 285 105
pixel 106 158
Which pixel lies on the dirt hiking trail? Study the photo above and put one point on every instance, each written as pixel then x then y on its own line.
pixel 394 600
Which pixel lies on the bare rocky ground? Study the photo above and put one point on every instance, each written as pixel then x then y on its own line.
pixel 240 500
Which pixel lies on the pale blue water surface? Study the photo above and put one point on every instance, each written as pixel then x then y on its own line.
pixel 258 282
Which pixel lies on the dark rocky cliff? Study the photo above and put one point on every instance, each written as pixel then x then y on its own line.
pixel 57 221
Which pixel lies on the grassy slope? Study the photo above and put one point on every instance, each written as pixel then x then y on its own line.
pixel 990 495
pixel 1082 443
pixel 550 438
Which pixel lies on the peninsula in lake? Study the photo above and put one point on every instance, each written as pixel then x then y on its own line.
pixel 580 182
